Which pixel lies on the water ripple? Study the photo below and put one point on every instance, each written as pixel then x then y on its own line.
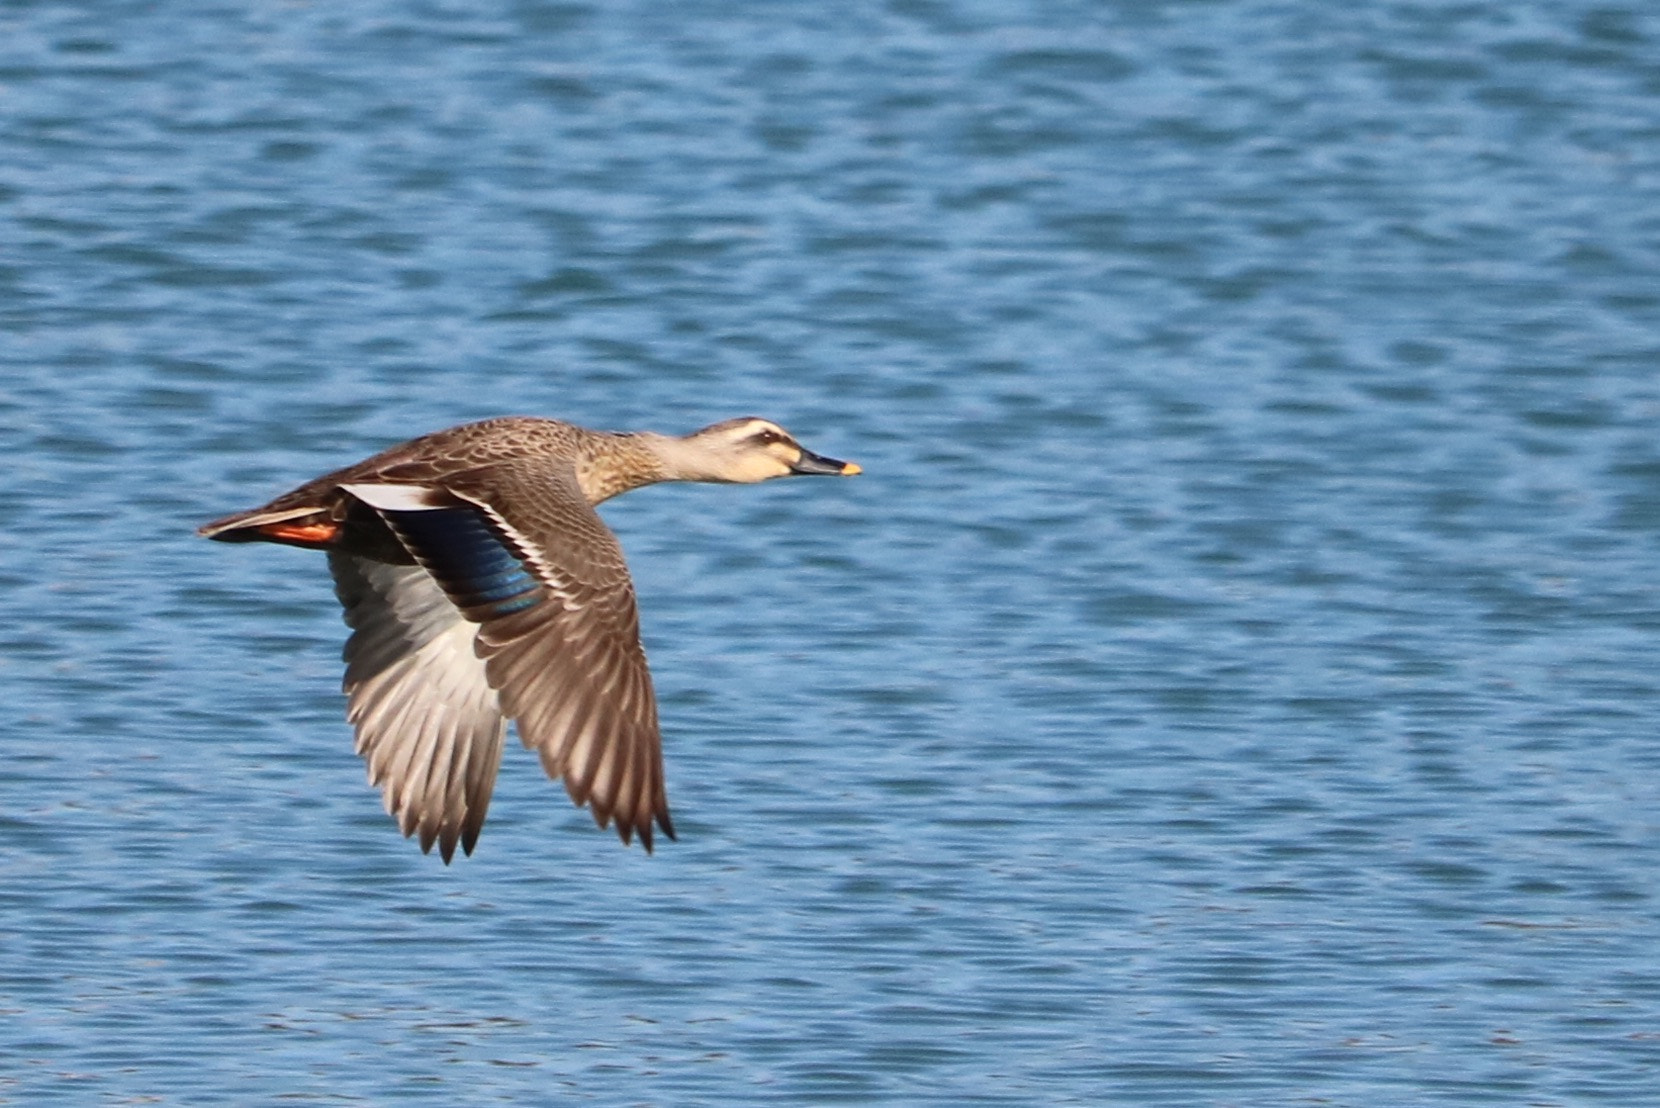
pixel 1231 682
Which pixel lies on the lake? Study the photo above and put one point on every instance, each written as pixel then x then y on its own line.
pixel 1232 681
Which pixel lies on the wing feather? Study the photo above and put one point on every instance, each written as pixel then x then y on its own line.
pixel 429 726
pixel 522 562
pixel 569 668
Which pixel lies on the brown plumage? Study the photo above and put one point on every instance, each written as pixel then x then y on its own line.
pixel 482 587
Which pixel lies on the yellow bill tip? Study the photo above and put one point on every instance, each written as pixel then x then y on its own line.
pixel 850 469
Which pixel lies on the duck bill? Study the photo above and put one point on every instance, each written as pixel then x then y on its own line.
pixel 810 464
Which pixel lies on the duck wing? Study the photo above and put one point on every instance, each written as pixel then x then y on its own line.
pixel 428 723
pixel 520 553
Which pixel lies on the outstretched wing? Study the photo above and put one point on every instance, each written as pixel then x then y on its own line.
pixel 428 723
pixel 519 552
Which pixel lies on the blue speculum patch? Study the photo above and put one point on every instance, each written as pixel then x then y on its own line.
pixel 483 577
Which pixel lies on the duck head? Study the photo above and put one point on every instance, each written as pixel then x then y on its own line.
pixel 747 450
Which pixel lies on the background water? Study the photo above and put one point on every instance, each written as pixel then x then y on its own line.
pixel 1233 681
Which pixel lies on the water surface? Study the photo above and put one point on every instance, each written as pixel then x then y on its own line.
pixel 1232 681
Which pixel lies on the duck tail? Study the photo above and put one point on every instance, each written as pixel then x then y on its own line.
pixel 307 526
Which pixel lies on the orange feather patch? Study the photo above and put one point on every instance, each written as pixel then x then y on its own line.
pixel 301 534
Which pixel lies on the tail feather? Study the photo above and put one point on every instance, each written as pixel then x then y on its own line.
pixel 303 526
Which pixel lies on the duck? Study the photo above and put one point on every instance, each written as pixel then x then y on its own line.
pixel 480 587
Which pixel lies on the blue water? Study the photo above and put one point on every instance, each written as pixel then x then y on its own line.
pixel 1233 681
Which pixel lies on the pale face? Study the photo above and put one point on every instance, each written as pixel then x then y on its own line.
pixel 749 450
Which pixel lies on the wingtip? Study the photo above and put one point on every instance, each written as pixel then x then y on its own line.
pixel 644 829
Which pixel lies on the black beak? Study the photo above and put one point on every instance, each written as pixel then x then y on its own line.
pixel 818 465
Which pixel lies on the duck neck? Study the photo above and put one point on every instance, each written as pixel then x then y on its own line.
pixel 616 463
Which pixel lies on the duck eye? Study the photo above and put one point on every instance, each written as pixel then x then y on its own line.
pixel 767 437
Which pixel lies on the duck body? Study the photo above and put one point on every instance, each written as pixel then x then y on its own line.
pixel 481 587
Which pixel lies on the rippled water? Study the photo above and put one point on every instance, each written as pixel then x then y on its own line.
pixel 1232 682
